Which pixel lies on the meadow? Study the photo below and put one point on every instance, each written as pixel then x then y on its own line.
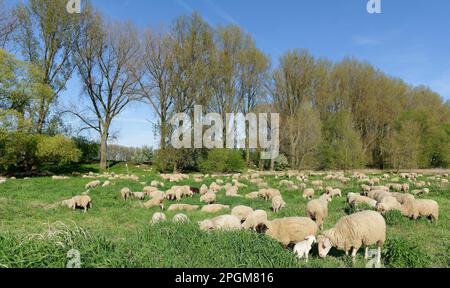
pixel 36 231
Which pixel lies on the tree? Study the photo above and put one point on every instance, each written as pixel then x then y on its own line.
pixel 46 36
pixel 8 24
pixel 105 57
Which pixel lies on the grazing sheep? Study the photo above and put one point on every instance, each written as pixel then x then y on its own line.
pixel 378 194
pixel 93 184
pixel 254 219
pixel 308 193
pixel 421 208
pixel 354 200
pixel 405 188
pixel 214 187
pixel 139 195
pixel 157 194
pixel 278 204
pixel 156 184
pixel 241 212
pixel 180 218
pixel 106 184
pixel 224 222
pixel 148 189
pixel 317 209
pixel 269 193
pixel 336 193
pixel 402 198
pixel 214 208
pixel 288 230
pixel 155 202
pixel 60 177
pixel 388 203
pixel 204 189
pixel 383 188
pixel 70 203
pixel 302 249
pixel 126 193
pixel 360 229
pixel 158 217
pixel 84 202
pixel 183 207
pixel 231 191
pixel 208 198
pixel 328 190
pixel 252 195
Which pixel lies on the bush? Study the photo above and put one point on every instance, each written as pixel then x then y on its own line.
pixel 400 253
pixel 181 160
pixel 58 149
pixel 281 163
pixel 142 155
pixel 89 149
pixel 222 161
pixel 393 217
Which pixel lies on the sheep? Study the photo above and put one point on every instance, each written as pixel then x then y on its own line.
pixel 378 194
pixel 254 219
pixel 288 230
pixel 84 202
pixel 181 207
pixel 317 209
pixel 157 194
pixel 180 218
pixel 402 198
pixel 214 187
pixel 204 189
pixel 328 190
pixel 278 204
pixel 308 193
pixel 252 195
pixel 139 195
pixel 269 193
pixel 336 193
pixel 421 208
pixel 208 198
pixel 224 222
pixel 106 184
pixel 156 184
pixel 364 228
pixel 388 203
pixel 419 192
pixel 214 208
pixel 93 184
pixel 60 177
pixel 231 191
pixel 405 188
pixel 148 189
pixel 383 188
pixel 241 212
pixel 354 200
pixel 126 193
pixel 154 203
pixel 158 217
pixel 301 249
pixel 70 203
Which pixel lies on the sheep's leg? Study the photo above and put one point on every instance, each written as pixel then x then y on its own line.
pixel 346 253
pixel 355 250
pixel 366 255
pixel 379 255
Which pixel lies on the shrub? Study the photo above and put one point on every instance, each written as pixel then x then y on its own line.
pixel 89 149
pixel 281 163
pixel 58 149
pixel 400 253
pixel 222 161
pixel 170 160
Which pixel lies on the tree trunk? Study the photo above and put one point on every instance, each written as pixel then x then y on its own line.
pixel 104 150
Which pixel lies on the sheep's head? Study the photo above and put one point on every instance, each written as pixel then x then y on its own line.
pixel 206 225
pixel 324 246
pixel 311 239
pixel 381 208
pixel 262 228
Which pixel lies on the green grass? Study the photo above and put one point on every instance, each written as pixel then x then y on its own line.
pixel 36 232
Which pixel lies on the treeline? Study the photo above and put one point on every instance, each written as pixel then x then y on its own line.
pixel 334 115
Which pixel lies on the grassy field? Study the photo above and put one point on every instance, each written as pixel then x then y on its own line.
pixel 36 232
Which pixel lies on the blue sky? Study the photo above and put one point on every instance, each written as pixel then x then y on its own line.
pixel 409 40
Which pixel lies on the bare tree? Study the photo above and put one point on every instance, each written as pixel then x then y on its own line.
pixel 105 57
pixel 8 24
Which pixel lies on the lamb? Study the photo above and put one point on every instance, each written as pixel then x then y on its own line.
pixel 402 198
pixel 208 198
pixel 224 222
pixel 84 202
pixel 181 207
pixel 106 184
pixel 254 219
pixel 126 193
pixel 93 184
pixel 308 193
pixel 354 200
pixel 317 209
pixel 364 228
pixel 288 230
pixel 278 204
pixel 139 195
pixel 204 189
pixel 180 218
pixel 158 217
pixel 214 208
pixel 252 195
pixel 302 249
pixel 154 203
pixel 241 212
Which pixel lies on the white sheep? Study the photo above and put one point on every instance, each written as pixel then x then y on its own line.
pixel 224 222
pixel 254 219
pixel 139 195
pixel 181 207
pixel 107 183
pixel 308 193
pixel 93 184
pixel 208 198
pixel 354 200
pixel 317 209
pixel 241 212
pixel 388 203
pixel 288 230
pixel 154 202
pixel 204 189
pixel 364 228
pixel 302 249
pixel 421 208
pixel 278 204
pixel 214 208
pixel 158 217
pixel 252 195
pixel 126 193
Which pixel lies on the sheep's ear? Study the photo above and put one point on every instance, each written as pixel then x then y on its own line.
pixel 261 228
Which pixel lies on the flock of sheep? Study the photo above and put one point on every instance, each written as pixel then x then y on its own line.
pixel 362 229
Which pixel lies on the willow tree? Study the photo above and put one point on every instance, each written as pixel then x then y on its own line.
pixel 105 57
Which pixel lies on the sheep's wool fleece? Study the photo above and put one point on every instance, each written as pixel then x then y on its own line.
pixel 292 229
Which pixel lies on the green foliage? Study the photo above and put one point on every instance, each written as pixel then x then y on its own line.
pixel 399 252
pixel 89 149
pixel 58 149
pixel 143 155
pixel 281 163
pixel 394 217
pixel 222 161
pixel 169 160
